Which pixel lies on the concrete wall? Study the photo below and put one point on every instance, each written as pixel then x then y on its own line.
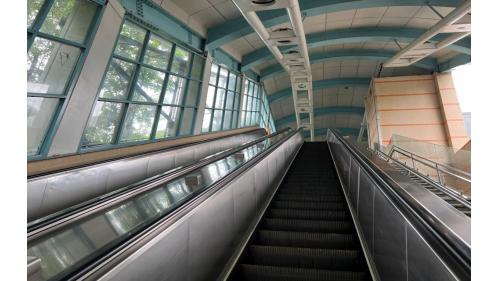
pixel 423 107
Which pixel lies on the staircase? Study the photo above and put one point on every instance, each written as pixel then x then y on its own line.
pixel 307 232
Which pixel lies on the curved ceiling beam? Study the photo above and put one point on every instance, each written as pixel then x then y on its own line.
pixel 238 27
pixel 325 111
pixel 323 84
pixel 427 63
pixel 356 35
pixel 343 131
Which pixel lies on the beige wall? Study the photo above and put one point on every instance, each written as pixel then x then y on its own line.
pixel 423 107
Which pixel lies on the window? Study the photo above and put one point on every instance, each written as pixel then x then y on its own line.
pixel 58 38
pixel 250 113
pixel 223 100
pixel 150 91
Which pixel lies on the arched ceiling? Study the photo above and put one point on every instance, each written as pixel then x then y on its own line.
pixel 347 41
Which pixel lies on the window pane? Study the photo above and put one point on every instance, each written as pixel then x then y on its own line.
pixel 219 100
pixel 237 102
pixel 130 41
pixel 168 122
pixel 149 84
pixel 188 116
pixel 213 74
pixel 248 118
pixel 40 114
pixel 33 9
pixel 103 123
pixel 235 120
pixel 158 52
pixel 223 73
pixel 250 89
pixel 175 90
pixel 69 19
pixel 180 65
pixel 138 123
pixel 245 100
pixel 238 83
pixel 217 121
pixel 192 93
pixel 117 79
pixel 232 81
pixel 210 97
pixel 227 120
pixel 229 100
pixel 49 66
pixel 197 68
pixel 206 120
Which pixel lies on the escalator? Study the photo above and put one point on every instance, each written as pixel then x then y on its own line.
pixel 307 232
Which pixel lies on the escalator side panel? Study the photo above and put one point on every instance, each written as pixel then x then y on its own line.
pixel 396 249
pixel 55 192
pixel 198 246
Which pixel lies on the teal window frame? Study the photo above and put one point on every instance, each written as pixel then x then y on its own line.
pixel 34 32
pixel 234 109
pixel 138 65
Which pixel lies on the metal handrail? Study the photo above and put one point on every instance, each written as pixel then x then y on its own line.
pixel 448 191
pixel 435 165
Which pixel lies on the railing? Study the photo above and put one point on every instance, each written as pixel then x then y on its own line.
pixel 458 196
pixel 441 170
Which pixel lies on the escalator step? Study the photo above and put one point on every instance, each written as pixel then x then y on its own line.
pixel 305 192
pixel 310 197
pixel 308 214
pixel 331 259
pixel 273 273
pixel 309 205
pixel 306 239
pixel 307 225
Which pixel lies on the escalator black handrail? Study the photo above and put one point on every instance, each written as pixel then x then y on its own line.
pixel 451 248
pixel 89 207
pixel 132 156
pixel 102 264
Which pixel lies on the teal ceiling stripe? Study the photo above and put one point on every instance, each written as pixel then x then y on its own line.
pixel 454 62
pixel 323 84
pixel 356 35
pixel 324 111
pixel 238 27
pixel 353 54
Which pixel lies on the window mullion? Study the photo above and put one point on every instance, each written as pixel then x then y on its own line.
pixel 215 99
pixel 131 88
pixel 184 97
pixel 37 24
pixel 162 94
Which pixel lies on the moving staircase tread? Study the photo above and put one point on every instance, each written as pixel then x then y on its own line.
pixel 308 205
pixel 275 273
pixel 307 232
pixel 307 225
pixel 305 239
pixel 331 259
pixel 308 214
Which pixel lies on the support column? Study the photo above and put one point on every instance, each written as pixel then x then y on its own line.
pixel 203 95
pixel 450 110
pixel 69 132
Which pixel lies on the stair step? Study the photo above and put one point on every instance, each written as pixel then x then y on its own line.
pixel 309 198
pixel 274 273
pixel 309 205
pixel 307 225
pixel 308 214
pixel 306 239
pixel 330 259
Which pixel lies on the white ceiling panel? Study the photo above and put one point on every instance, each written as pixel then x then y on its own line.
pixel 371 12
pixel 402 11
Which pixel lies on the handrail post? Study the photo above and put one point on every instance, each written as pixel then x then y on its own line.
pixel 412 160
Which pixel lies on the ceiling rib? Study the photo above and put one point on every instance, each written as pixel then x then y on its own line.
pixel 295 62
pixel 421 48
